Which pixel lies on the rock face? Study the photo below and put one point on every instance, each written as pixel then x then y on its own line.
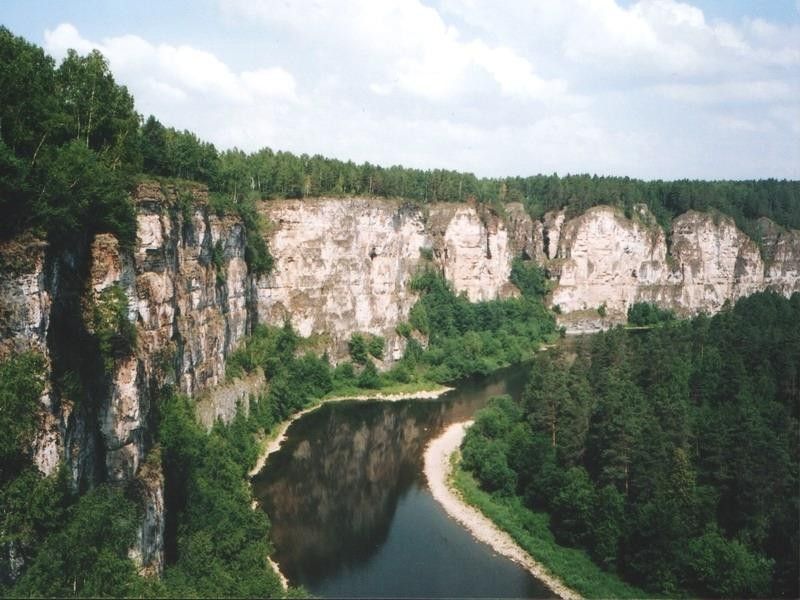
pixel 605 259
pixel 187 290
pixel 342 266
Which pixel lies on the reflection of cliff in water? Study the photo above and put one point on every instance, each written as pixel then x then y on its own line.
pixel 332 489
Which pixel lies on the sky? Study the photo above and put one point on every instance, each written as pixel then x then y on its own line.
pixel 654 89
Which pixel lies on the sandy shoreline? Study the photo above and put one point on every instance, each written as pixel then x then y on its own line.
pixel 277 438
pixel 437 471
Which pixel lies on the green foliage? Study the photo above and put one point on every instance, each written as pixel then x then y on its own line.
pixel 220 544
pixel 68 145
pixel 375 346
pixel 722 568
pixel 646 314
pixel 116 335
pixel 218 260
pixel 33 507
pixel 369 377
pixel 531 530
pixel 472 338
pixel 88 555
pixel 70 546
pixel 357 347
pixel 529 277
pixel 21 385
pixel 404 329
pixel 672 467
pixel 361 348
pixel 257 255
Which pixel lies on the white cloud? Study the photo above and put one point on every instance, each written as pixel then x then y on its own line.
pixel 651 89
pixel 419 53
pixel 769 91
pixel 274 82
pixel 175 73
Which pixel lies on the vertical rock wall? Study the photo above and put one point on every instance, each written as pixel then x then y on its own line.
pixel 342 265
pixel 605 259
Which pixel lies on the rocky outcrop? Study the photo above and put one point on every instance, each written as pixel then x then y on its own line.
pixel 341 266
pixel 185 288
pixel 783 263
pixel 25 302
pixel 608 262
pixel 224 401
pixel 344 265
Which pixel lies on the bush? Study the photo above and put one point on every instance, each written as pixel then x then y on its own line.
pixel 358 348
pixel 21 385
pixel 369 377
pixel 375 346
pixel 116 334
pixel 529 277
pixel 89 555
pixel 646 314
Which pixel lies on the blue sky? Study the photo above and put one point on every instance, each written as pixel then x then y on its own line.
pixel 648 88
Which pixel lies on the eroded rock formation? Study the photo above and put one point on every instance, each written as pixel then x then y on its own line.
pixel 342 265
pixel 607 260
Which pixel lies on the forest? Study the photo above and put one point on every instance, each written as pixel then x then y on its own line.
pixel 668 454
pixel 63 538
pixel 72 145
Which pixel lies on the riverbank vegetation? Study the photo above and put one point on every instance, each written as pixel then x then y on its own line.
pixel 462 339
pixel 216 542
pixel 668 455
pixel 531 531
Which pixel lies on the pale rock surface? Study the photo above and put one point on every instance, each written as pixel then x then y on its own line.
pixel 341 265
pixel 474 252
pixel 783 268
pixel 344 265
pixel 553 222
pixel 222 402
pixel 525 234
pixel 25 303
pixel 606 259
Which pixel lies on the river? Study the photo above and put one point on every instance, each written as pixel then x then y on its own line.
pixel 351 512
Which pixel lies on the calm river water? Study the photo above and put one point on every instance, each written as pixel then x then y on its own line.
pixel 351 512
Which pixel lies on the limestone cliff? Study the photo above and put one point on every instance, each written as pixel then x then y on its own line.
pixel 186 286
pixel 605 259
pixel 341 266
pixel 344 265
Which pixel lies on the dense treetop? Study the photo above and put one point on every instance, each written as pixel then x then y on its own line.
pixel 669 454
pixel 70 141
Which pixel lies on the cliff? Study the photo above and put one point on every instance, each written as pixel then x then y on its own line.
pixel 605 259
pixel 341 266
pixel 344 265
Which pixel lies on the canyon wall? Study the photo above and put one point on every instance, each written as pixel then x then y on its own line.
pixel 345 265
pixel 603 259
pixel 341 266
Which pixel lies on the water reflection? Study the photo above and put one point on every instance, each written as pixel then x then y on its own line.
pixel 332 492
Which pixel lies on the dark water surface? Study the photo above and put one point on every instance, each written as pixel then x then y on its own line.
pixel 351 512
